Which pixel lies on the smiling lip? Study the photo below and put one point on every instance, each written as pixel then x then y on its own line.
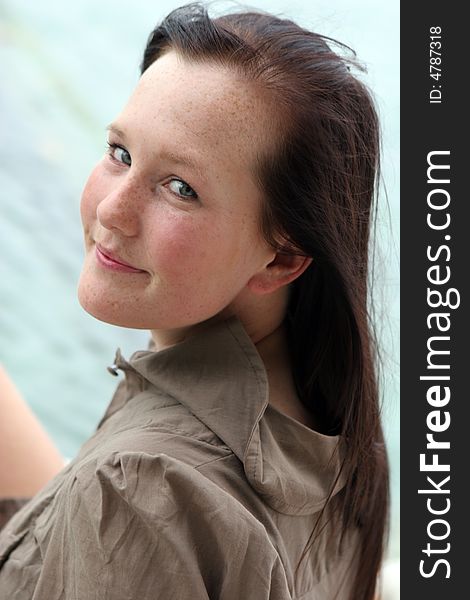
pixel 109 260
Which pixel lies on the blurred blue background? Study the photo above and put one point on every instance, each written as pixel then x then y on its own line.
pixel 66 70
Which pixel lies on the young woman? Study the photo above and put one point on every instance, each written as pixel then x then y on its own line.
pixel 242 455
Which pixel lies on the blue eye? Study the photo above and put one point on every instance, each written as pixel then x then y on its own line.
pixel 178 187
pixel 119 154
pixel 182 189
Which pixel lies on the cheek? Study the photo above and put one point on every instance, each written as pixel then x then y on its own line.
pixel 181 246
pixel 201 251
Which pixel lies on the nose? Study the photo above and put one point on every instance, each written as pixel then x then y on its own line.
pixel 121 209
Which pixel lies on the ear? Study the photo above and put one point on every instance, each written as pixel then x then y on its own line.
pixel 282 270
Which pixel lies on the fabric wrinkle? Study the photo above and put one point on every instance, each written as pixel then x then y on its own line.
pixel 193 486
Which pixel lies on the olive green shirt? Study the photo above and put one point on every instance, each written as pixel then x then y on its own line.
pixel 193 487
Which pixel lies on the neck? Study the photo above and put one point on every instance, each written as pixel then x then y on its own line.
pixel 263 322
pixel 260 316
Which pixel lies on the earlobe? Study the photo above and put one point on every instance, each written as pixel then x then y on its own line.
pixel 282 270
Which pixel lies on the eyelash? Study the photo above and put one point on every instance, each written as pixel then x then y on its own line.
pixel 110 147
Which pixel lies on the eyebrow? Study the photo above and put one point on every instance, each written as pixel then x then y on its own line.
pixel 180 158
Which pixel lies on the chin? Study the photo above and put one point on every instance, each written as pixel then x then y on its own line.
pixel 111 306
pixel 98 304
pixel 110 316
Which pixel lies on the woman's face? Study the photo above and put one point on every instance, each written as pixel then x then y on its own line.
pixel 175 199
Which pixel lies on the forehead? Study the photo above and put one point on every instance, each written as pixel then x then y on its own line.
pixel 201 105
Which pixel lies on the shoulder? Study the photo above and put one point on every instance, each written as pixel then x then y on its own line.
pixel 159 488
pixel 156 518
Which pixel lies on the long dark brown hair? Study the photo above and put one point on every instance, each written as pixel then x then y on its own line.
pixel 319 181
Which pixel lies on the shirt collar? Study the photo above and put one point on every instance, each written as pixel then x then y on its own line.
pixel 220 377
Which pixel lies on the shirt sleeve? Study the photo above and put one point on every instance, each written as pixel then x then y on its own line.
pixel 152 527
